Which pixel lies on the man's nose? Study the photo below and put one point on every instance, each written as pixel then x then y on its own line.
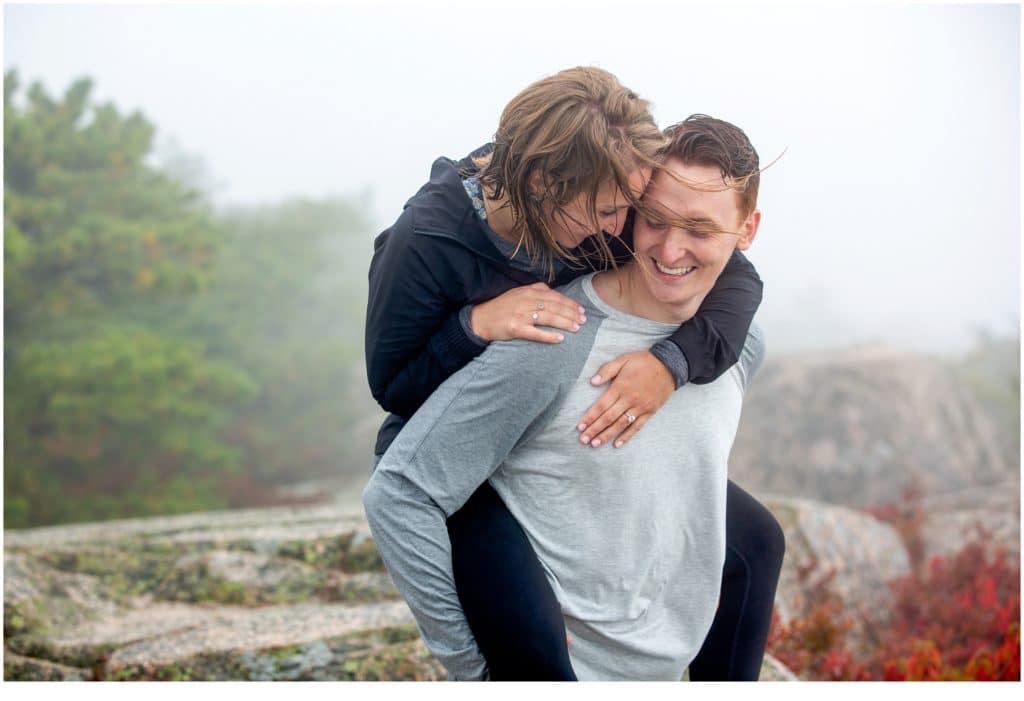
pixel 673 247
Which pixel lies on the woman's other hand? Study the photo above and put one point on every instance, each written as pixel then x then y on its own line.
pixel 518 312
pixel 641 384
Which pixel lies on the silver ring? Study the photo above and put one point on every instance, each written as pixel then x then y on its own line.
pixel 535 316
pixel 630 418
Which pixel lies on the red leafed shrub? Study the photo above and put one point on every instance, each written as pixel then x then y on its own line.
pixel 814 645
pixel 957 618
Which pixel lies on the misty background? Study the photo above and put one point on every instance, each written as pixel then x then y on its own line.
pixel 892 215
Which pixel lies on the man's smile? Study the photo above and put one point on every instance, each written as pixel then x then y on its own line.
pixel 675 272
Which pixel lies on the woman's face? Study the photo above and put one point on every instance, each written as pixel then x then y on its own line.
pixel 684 246
pixel 575 223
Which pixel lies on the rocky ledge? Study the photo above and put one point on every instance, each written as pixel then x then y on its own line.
pixel 245 595
pixel 301 594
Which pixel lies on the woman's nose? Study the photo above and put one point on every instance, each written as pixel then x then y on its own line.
pixel 617 224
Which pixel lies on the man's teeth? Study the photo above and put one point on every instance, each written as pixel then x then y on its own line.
pixel 674 271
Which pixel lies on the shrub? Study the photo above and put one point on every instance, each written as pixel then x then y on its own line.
pixel 958 618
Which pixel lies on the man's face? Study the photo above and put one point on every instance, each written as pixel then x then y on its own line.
pixel 683 247
pixel 575 223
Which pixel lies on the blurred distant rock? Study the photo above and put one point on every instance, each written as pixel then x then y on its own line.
pixel 950 520
pixel 858 427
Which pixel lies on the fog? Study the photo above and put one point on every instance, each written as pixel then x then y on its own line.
pixel 893 214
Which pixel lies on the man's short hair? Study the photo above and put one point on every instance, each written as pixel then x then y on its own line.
pixel 703 140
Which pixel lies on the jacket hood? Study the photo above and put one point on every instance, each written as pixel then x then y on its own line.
pixel 443 208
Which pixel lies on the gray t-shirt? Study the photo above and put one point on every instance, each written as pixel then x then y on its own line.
pixel 632 539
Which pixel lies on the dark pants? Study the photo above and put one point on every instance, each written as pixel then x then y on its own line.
pixel 518 623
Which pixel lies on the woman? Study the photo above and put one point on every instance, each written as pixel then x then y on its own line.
pixel 469 262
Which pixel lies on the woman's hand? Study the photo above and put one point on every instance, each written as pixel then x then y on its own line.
pixel 641 385
pixel 517 313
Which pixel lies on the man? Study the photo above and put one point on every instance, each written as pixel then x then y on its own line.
pixel 632 539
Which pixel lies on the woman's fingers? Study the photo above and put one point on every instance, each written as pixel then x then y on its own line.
pixel 608 371
pixel 537 324
pixel 641 385
pixel 517 312
pixel 612 408
pixel 529 332
pixel 558 305
pixel 614 421
pixel 631 430
pixel 627 420
pixel 559 318
pixel 588 423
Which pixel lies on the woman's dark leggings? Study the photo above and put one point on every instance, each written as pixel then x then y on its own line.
pixel 518 623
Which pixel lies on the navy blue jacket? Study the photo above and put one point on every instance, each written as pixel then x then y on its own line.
pixel 437 258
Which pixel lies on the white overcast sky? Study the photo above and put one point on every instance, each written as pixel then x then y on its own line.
pixel 894 215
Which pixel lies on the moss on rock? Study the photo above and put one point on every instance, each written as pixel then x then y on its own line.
pixel 366 655
pixel 131 569
pixel 26 669
pixel 350 553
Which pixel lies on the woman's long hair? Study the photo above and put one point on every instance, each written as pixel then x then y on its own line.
pixel 576 132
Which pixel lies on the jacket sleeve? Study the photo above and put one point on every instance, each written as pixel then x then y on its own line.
pixel 414 339
pixel 445 452
pixel 713 338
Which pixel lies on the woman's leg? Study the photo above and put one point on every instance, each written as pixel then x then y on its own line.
pixel 505 594
pixel 754 546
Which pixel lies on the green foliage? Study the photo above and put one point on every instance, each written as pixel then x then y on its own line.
pixel 160 357
pixel 144 408
pixel 344 553
pixel 106 413
pixel 89 227
pixel 286 303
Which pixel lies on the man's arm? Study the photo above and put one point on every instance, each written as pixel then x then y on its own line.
pixel 456 440
pixel 409 530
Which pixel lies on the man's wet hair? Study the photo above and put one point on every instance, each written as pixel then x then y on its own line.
pixel 706 141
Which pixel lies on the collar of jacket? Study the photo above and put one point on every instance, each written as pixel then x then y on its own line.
pixel 444 210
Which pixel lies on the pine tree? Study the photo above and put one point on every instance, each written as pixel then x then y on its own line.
pixel 106 413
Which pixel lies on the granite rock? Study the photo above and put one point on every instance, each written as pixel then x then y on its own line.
pixel 859 427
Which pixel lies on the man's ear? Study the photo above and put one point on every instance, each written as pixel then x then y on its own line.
pixel 748 230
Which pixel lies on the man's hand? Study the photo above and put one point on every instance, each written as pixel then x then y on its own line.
pixel 641 384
